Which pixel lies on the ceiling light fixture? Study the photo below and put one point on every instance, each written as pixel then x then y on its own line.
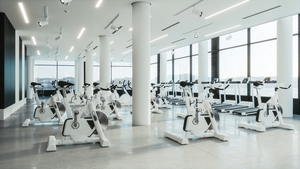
pixel 187 8
pixel 94 54
pixel 111 42
pixel 82 30
pixel 159 38
pixel 196 35
pixel 65 2
pixel 44 22
pixel 130 29
pixel 227 9
pixel 33 40
pixel 112 21
pixel 127 52
pixel 71 49
pixel 223 30
pixel 167 48
pixel 197 12
pixel 38 52
pixel 98 3
pixel 66 57
pixel 60 34
pixel 23 12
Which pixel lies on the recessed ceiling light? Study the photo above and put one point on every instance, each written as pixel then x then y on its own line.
pixel 82 30
pixel 98 3
pixel 66 57
pixel 159 38
pixel 227 9
pixel 71 48
pixel 38 52
pixel 167 48
pixel 130 29
pixel 111 42
pixel 23 12
pixel 127 51
pixel 33 40
pixel 222 30
pixel 94 54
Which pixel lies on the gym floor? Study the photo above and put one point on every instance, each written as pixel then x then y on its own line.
pixel 143 147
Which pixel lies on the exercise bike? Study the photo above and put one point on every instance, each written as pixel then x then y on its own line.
pixel 50 111
pixel 154 101
pixel 78 130
pixel 202 123
pixel 270 115
pixel 109 105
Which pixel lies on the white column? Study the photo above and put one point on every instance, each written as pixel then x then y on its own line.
pixel 79 75
pixel 163 67
pixel 104 58
pixel 89 72
pixel 202 64
pixel 141 63
pixel 285 63
pixel 30 67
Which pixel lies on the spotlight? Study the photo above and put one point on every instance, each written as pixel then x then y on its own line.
pixel 58 38
pixel 65 2
pixel 196 35
pixel 42 23
pixel 60 34
pixel 197 12
pixel 114 27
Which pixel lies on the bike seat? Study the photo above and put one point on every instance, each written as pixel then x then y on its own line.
pixel 258 83
pixel 64 84
pixel 184 83
pixel 96 84
pixel 33 84
pixel 86 84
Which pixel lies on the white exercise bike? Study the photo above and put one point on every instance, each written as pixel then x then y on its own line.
pixel 77 130
pixel 270 115
pixel 50 111
pixel 202 123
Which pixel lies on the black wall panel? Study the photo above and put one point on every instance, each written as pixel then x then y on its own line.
pixel 26 71
pixel 7 62
pixel 20 69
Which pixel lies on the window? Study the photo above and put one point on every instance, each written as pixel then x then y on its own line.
pixel 233 39
pixel 45 73
pixel 182 69
pixel 66 71
pixel 121 71
pixel 264 32
pixel 153 73
pixel 182 52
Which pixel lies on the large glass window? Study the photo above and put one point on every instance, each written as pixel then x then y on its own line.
pixel 182 52
pixel 195 49
pixel 264 32
pixel 121 71
pixel 96 72
pixel 182 69
pixel 153 73
pixel 264 64
pixel 66 71
pixel 233 64
pixel 233 39
pixel 44 73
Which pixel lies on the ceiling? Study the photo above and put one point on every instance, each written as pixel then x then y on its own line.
pixel 82 13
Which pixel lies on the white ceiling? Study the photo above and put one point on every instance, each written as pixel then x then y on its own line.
pixel 82 13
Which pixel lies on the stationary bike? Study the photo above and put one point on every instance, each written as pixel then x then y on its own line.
pixel 202 123
pixel 89 129
pixel 109 105
pixel 45 112
pixel 154 101
pixel 270 115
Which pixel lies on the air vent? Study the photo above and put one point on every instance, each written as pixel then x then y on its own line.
pixel 128 46
pixel 178 40
pixel 170 26
pixel 262 12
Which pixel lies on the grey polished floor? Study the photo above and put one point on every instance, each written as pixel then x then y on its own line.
pixel 144 147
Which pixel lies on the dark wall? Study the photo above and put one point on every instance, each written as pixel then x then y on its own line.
pixel 20 69
pixel 26 71
pixel 7 62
